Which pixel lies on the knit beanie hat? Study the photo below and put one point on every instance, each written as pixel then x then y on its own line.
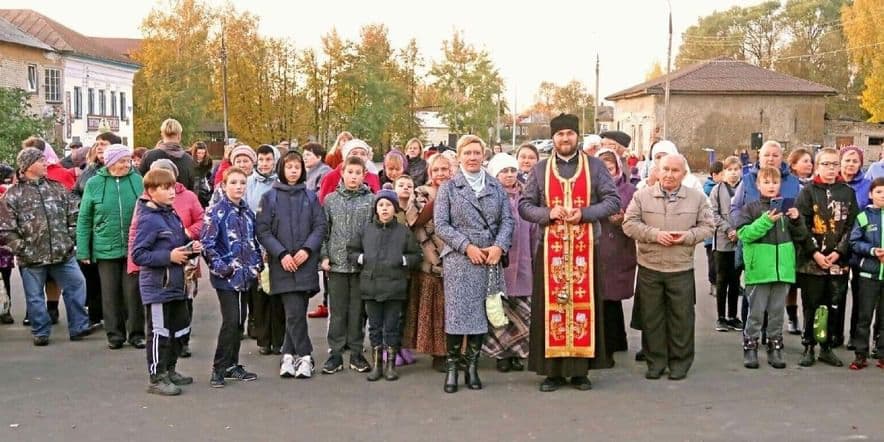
pixel 116 152
pixel 501 161
pixel 27 157
pixel 852 148
pixel 165 163
pixel 243 149
pixel 387 195
pixel 663 146
pixel 397 153
pixel 355 144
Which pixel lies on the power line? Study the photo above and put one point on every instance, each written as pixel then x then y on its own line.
pixel 792 57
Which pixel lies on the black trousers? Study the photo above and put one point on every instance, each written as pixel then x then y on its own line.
pixel 93 291
pixel 269 326
pixel 297 340
pixel 615 327
pixel 232 316
pixel 168 324
pixel 668 319
pixel 727 284
pixel 854 308
pixel 383 323
pixel 6 273
pixel 871 302
pixel 346 321
pixel 121 301
pixel 816 291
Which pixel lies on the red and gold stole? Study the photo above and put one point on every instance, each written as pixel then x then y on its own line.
pixel 567 270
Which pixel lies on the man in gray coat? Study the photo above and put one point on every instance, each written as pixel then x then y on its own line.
pixel 667 220
pixel 567 194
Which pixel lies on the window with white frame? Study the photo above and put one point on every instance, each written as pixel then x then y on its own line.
pixel 102 102
pixel 90 101
pixel 123 115
pixel 52 85
pixel 78 102
pixel 32 78
pixel 113 102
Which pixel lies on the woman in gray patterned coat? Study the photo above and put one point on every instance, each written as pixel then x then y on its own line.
pixel 474 219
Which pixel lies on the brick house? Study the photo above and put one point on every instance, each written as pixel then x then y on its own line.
pixel 98 76
pixel 29 64
pixel 718 104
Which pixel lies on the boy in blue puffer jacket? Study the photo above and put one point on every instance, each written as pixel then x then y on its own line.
pixel 161 249
pixel 233 255
pixel 867 244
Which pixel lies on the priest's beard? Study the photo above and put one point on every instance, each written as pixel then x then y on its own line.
pixel 566 149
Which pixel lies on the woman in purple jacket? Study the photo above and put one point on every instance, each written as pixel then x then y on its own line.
pixel 617 252
pixel 509 344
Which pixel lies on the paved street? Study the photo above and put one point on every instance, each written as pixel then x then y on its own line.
pixel 81 391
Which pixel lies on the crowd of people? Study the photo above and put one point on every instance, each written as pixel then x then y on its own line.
pixel 453 253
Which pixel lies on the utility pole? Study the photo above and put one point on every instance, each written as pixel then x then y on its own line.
pixel 497 123
pixel 224 81
pixel 668 70
pixel 515 113
pixel 595 101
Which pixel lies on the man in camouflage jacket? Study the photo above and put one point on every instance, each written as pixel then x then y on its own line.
pixel 38 220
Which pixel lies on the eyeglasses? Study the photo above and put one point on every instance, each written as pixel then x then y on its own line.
pixel 828 164
pixel 508 170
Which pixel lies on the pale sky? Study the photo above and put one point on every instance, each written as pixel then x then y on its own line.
pixel 529 41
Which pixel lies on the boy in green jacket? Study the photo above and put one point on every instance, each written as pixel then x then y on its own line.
pixel 769 256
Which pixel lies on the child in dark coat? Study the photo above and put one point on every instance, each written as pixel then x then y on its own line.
pixel 161 248
pixel 386 253
pixel 290 227
pixel 234 258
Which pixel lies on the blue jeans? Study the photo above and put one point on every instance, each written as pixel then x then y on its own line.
pixel 73 288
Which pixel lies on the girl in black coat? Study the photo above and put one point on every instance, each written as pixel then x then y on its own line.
pixel 387 253
pixel 290 227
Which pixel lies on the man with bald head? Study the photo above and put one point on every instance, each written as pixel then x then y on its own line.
pixel 667 220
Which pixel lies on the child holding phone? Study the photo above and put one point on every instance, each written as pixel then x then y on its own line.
pixel 767 234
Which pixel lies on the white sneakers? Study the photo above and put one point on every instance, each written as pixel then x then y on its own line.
pixel 287 369
pixel 303 368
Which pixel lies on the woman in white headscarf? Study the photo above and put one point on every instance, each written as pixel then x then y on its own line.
pixel 659 150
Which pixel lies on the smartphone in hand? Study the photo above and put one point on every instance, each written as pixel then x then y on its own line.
pixel 777 204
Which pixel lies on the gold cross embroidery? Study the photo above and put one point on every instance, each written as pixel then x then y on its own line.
pixel 580 293
pixel 557 247
pixel 581 246
pixel 579 201
pixel 557 201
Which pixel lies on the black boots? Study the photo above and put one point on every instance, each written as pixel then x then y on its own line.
pixel 750 353
pixel 390 364
pixel 809 356
pixel 471 376
pixel 827 356
pixel 775 352
pixel 376 364
pixel 453 344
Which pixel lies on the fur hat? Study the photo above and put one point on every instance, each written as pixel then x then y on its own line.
pixel 27 157
pixel 501 161
pixel 116 152
pixel 562 122
pixel 165 163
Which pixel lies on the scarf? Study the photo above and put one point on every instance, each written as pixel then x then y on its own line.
pixel 475 180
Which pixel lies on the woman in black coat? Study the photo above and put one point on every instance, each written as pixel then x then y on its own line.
pixel 290 227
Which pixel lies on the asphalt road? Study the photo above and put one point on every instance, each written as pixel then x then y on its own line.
pixel 80 391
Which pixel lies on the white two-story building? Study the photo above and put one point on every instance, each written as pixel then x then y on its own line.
pixel 96 82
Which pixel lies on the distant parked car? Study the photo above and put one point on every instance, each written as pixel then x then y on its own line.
pixel 544 146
